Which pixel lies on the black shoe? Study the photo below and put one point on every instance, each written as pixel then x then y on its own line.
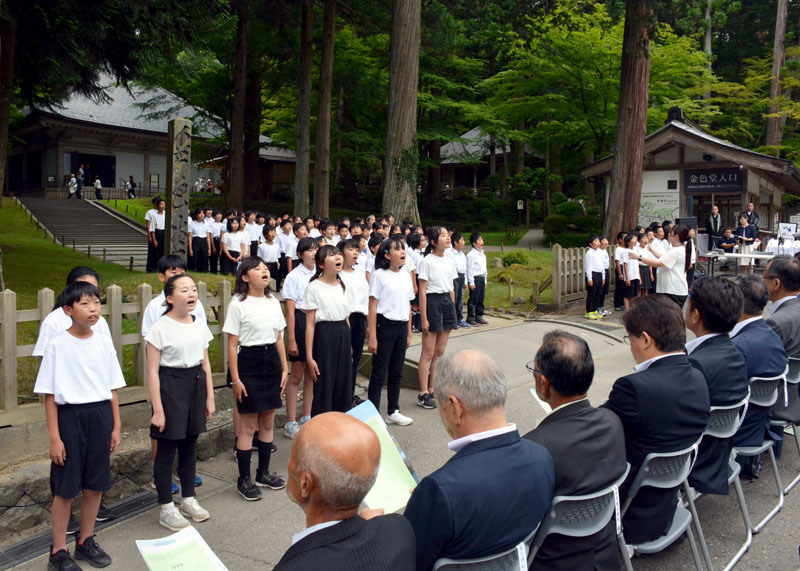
pixel 357 400
pixel 269 480
pixel 482 321
pixel 273 448
pixel 248 490
pixel 74 525
pixel 105 514
pixel 426 401
pixel 92 553
pixel 61 561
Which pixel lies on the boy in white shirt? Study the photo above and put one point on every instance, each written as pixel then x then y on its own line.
pixel 460 283
pixel 476 280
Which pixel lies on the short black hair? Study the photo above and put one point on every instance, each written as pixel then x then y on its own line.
pixel 393 243
pixel 170 263
pixel 324 225
pixel 78 272
pixel 341 226
pixel 566 360
pixel 268 229
pixel 286 221
pixel 786 269
pixel 298 226
pixel 75 291
pixel 455 237
pixel 718 301
pixel 306 244
pixel 661 317
pixel 374 240
pixel 474 238
pixel 754 293
pixel 350 243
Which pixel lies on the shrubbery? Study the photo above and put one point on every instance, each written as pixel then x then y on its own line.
pixel 555 225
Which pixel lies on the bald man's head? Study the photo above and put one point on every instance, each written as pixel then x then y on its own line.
pixel 341 454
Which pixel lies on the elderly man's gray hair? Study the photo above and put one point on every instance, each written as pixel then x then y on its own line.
pixel 337 486
pixel 473 377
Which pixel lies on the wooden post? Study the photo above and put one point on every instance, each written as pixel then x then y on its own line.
pixel 63 242
pixel 202 294
pixel 536 294
pixel 114 300
pixel 510 289
pixel 73 244
pixel 224 294
pixel 557 277
pixel 8 350
pixel 104 255
pixel 130 266
pixel 145 294
pixel 89 251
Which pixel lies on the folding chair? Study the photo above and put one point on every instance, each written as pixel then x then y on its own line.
pixel 723 423
pixel 668 470
pixel 514 559
pixel 764 392
pixel 787 410
pixel 582 516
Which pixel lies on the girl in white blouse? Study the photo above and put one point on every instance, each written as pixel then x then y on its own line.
pixel 231 245
pixel 258 371
pixel 199 242
pixel 357 294
pixel 328 357
pixel 182 397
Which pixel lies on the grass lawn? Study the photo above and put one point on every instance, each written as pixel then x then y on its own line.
pixel 501 238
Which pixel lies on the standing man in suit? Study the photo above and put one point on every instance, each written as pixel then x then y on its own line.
pixel 752 215
pixel 713 310
pixel 333 465
pixel 765 356
pixel 714 227
pixel 782 278
pixel 497 488
pixel 587 445
pixel 663 407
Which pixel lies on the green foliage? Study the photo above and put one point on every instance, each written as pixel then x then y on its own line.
pixel 516 257
pixel 569 240
pixel 568 209
pixel 558 198
pixel 555 225
pixel 588 223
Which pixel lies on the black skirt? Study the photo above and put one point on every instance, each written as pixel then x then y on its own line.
pixel 227 266
pixel 260 373
pixel 333 390
pixel 300 336
pixel 183 398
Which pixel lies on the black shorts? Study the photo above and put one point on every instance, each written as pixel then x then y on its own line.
pixel 632 290
pixel 260 373
pixel 86 433
pixel 441 312
pixel 299 336
pixel 183 397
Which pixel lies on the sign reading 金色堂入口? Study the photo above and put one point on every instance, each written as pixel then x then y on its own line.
pixel 719 180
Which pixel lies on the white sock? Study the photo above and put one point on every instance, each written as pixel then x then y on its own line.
pixel 165 507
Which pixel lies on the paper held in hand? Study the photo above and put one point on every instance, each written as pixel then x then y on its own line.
pixel 396 477
pixel 183 550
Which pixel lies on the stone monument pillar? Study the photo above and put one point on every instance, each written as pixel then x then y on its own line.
pixel 179 154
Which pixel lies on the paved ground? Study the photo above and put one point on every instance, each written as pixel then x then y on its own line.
pixel 256 534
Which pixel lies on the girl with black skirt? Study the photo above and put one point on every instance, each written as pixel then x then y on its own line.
pixel 258 371
pixel 182 397
pixel 199 242
pixel 328 357
pixel 231 248
pixel 294 288
pixel 390 295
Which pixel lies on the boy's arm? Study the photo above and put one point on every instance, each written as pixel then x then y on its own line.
pixel 210 405
pixel 57 452
pixel 116 432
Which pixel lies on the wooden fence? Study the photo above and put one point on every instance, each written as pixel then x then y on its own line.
pixel 569 281
pixel 114 309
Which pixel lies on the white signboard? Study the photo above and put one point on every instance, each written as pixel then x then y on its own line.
pixel 520 205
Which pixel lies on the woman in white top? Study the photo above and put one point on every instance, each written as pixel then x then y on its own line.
pixel 155 220
pixel 631 270
pixel 390 295
pixel 258 371
pixel 673 264
pixel 253 231
pixel 328 357
pixel 357 293
pixel 217 230
pixel 182 397
pixel 437 306
pixel 294 288
pixel 645 271
pixel 595 278
pixel 231 247
pixel 199 242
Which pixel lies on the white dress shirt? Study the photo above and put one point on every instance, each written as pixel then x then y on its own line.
pixel 742 324
pixel 644 365
pixel 695 343
pixel 459 443
pixel 309 530
pixel 780 302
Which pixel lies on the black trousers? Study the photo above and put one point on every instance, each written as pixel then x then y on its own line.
pixel 594 292
pixel 679 299
pixel 213 259
pixel 200 251
pixel 475 302
pixel 282 271
pixel 604 293
pixel 358 330
pixel 619 292
pixel 333 390
pixel 458 288
pixel 162 467
pixel 392 338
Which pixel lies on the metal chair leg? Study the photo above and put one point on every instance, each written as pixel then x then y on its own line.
pixel 623 547
pixel 693 546
pixel 747 525
pixel 778 483
pixel 697 527
pixel 796 480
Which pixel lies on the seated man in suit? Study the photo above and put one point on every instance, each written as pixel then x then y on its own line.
pixel 333 465
pixel 497 488
pixel 782 278
pixel 711 312
pixel 765 356
pixel 663 407
pixel 587 445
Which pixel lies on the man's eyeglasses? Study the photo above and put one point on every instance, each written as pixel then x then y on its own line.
pixel 531 366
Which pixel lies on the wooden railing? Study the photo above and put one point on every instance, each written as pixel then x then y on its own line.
pixel 569 281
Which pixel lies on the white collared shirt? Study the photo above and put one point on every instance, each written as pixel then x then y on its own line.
pixel 780 302
pixel 309 530
pixel 459 443
pixel 566 404
pixel 695 343
pixel 742 324
pixel 644 365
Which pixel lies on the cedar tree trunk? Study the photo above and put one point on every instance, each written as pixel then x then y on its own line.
pixel 236 147
pixel 252 134
pixel 774 124
pixel 302 205
pixel 322 162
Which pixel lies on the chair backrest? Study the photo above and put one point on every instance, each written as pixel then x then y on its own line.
pixel 663 470
pixel 581 516
pixel 725 420
pixel 793 376
pixel 764 390
pixel 787 407
pixel 509 560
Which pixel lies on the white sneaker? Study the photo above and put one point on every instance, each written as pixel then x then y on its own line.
pixel 400 419
pixel 171 518
pixel 190 508
pixel 290 429
pixel 304 419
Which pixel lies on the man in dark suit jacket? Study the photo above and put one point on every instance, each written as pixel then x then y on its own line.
pixel 663 407
pixel 712 311
pixel 497 488
pixel 333 465
pixel 587 445
pixel 752 215
pixel 765 356
pixel 782 278
pixel 714 227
